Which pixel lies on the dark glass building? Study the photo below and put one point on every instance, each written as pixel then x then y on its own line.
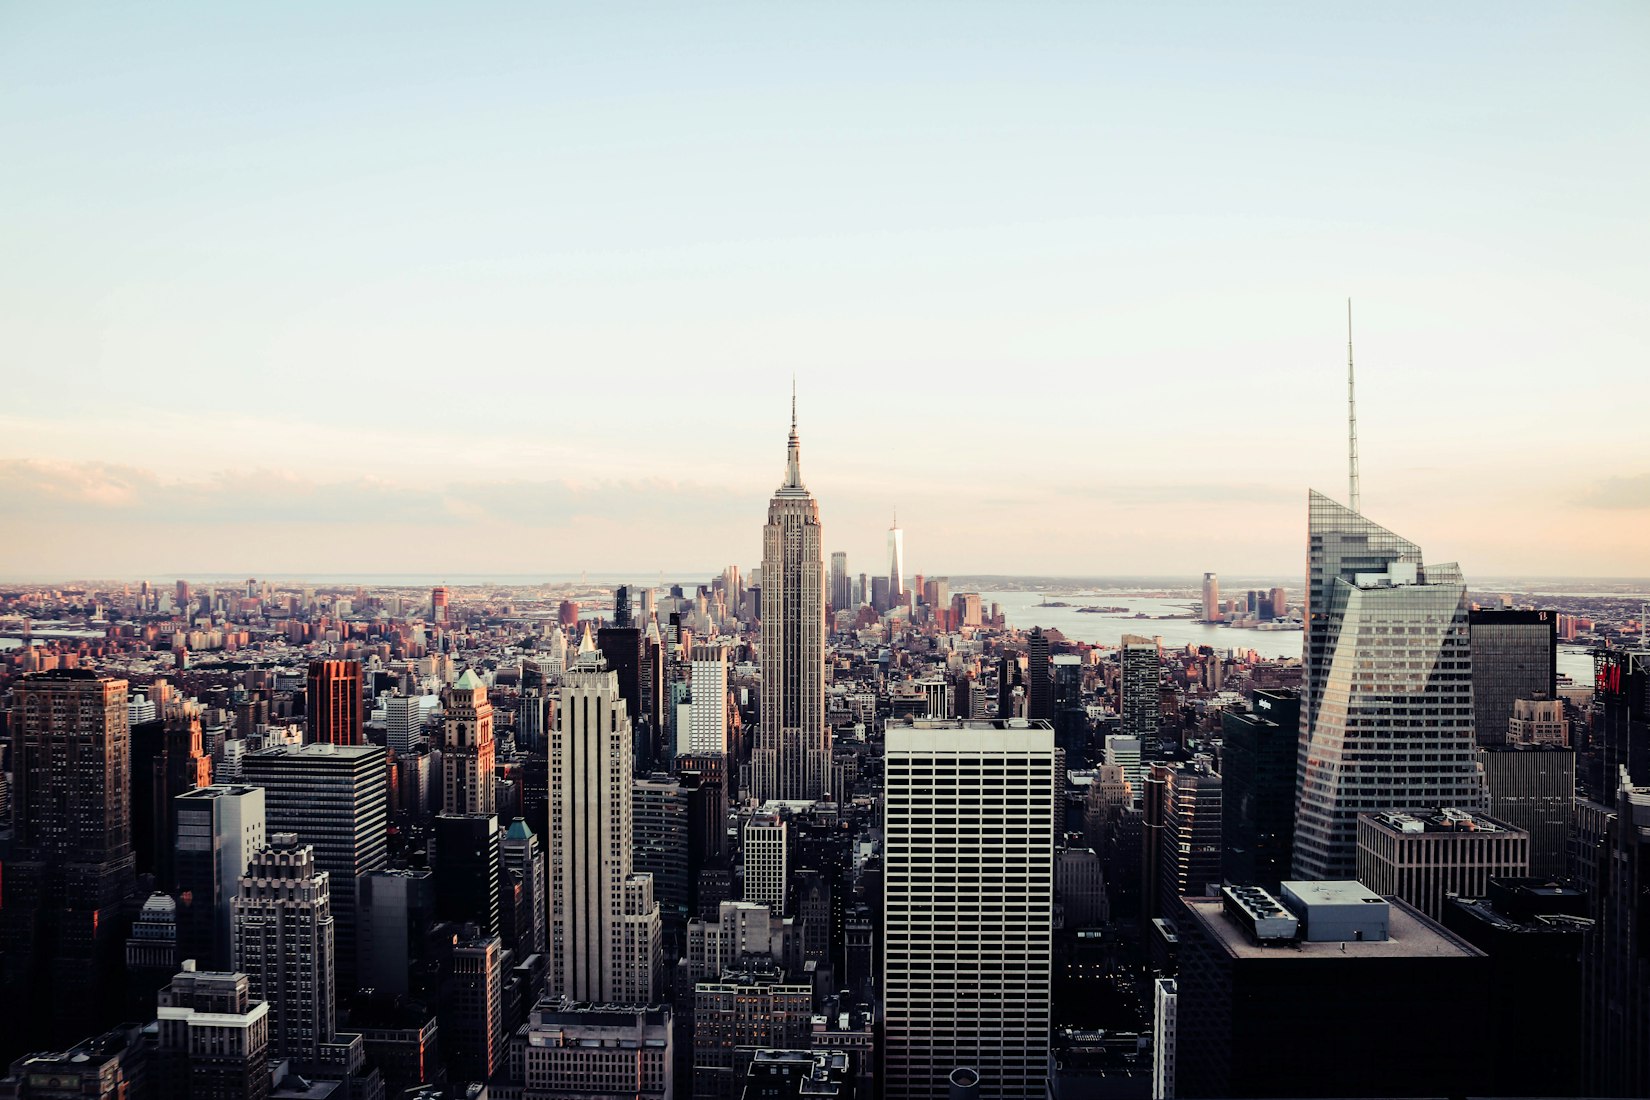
pixel 1514 656
pixel 1534 788
pixel 1621 684
pixel 1533 931
pixel 1257 771
pixel 1344 1007
pixel 1039 687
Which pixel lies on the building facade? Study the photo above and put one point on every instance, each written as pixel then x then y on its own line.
pixel 792 756
pixel 219 829
pixel 284 944
pixel 968 894
pixel 1423 857
pixel 334 703
pixel 334 798
pixel 467 748
pixel 603 921
pixel 1387 719
pixel 1514 656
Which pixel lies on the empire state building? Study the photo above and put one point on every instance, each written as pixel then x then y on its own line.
pixel 792 757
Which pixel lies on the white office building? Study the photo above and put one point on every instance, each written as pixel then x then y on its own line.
pixel 969 896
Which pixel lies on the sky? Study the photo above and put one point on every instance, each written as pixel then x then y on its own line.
pixel 312 288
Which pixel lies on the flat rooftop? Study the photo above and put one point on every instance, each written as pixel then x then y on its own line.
pixel 1410 935
pixel 971 735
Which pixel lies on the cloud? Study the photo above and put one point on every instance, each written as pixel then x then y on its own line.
pixel 106 492
pixel 1630 492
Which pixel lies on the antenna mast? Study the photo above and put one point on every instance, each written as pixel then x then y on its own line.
pixel 1351 418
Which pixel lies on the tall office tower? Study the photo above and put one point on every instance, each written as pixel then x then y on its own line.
pixel 467 748
pixel 622 649
pixel 212 1037
pixel 896 563
pixel 704 792
pixel 438 604
pixel 969 896
pixel 1010 683
pixel 151 954
pixel 1071 717
pixel 466 860
pixel 472 1014
pixel 707 731
pixel 69 867
pixel 1296 996
pixel 1280 603
pixel 336 799
pixel 394 910
pixel 1422 857
pixel 181 766
pixel 841 590
pixel 1535 934
pixel 520 855
pixel 1621 683
pixel 1182 829
pixel 403 723
pixel 1211 598
pixel 1039 685
pixel 792 757
pixel 1533 787
pixel 1139 705
pixel 604 923
pixel 1125 753
pixel 334 703
pixel 1617 1058
pixel 660 824
pixel 1165 1037
pixel 623 617
pixel 1257 772
pixel 1514 656
pixel 1387 714
pixel 764 840
pixel 218 831
pixel 284 943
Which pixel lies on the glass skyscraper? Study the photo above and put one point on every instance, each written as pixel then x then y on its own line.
pixel 1388 717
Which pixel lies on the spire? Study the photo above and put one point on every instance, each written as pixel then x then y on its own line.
pixel 793 452
pixel 1351 419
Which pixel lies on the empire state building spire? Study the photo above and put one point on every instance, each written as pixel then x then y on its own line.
pixel 793 451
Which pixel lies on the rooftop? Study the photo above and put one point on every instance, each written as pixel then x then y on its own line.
pixel 1410 934
pixel 1441 820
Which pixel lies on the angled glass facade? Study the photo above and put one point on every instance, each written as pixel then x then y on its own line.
pixel 1388 717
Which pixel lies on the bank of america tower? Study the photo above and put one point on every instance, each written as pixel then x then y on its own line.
pixel 1387 720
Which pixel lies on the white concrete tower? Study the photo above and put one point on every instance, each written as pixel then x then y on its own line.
pixel 604 923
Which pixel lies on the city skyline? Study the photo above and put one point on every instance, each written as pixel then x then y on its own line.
pixel 1115 247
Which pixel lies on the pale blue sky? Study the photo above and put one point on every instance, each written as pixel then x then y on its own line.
pixel 508 288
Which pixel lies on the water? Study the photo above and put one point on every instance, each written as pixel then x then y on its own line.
pixel 1021 609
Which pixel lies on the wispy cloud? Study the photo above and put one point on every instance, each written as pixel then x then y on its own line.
pixel 1630 492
